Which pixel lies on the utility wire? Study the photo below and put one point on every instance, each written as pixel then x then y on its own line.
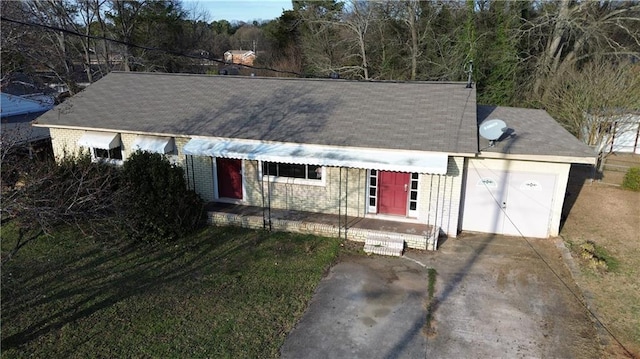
pixel 175 53
pixel 148 48
pixel 581 301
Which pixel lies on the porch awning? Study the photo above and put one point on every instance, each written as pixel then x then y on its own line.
pixel 102 140
pixel 153 144
pixel 376 159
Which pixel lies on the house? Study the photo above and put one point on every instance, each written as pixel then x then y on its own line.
pixel 402 153
pixel 625 134
pixel 18 112
pixel 243 57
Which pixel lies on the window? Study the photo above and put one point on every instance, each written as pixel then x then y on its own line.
pixel 373 191
pixel 111 154
pixel 307 172
pixel 413 193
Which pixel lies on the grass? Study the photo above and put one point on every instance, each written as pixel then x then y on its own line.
pixel 222 293
pixel 594 256
pixel 602 233
pixel 431 288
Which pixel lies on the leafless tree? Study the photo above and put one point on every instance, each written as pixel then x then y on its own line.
pixel 40 194
pixel 418 17
pixel 570 32
pixel 358 21
pixel 590 100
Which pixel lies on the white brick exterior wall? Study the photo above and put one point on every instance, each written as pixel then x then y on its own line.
pixel 323 197
pixel 438 196
pixel 200 176
pixel 332 197
pixel 65 141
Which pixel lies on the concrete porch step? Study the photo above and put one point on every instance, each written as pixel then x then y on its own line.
pixel 383 245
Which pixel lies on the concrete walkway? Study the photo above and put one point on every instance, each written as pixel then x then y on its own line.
pixel 495 298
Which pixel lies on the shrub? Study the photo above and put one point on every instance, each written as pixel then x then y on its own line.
pixel 155 203
pixel 631 179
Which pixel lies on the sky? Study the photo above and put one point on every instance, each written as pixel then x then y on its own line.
pixel 240 10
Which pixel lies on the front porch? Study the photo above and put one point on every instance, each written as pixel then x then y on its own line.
pixel 415 235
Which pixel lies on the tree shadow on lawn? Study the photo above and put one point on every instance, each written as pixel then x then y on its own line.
pixel 108 277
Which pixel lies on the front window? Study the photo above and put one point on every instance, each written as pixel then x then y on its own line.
pixel 310 175
pixel 111 154
pixel 308 172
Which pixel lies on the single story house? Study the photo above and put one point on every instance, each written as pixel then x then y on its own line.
pixel 625 134
pixel 244 57
pixel 406 152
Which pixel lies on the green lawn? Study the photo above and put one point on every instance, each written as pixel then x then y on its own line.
pixel 223 293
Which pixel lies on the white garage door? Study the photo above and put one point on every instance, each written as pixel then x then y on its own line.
pixel 509 203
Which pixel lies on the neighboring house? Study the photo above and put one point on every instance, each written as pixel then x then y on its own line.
pixel 625 134
pixel 100 59
pixel 243 57
pixel 17 115
pixel 398 151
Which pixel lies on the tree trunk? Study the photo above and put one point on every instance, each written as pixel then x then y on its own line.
pixel 414 39
pixel 363 53
pixel 552 59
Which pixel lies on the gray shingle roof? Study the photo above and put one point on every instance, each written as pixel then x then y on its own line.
pixel 423 116
pixel 535 132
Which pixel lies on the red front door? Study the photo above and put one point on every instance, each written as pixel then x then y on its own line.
pixel 392 192
pixel 229 178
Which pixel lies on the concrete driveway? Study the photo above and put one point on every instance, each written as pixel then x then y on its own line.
pixel 496 297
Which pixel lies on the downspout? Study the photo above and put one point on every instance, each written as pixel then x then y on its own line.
pixel 186 162
pixel 213 178
pixel 193 175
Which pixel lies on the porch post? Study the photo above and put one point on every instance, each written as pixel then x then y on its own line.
pixel 340 203
pixel 435 219
pixel 269 197
pixel 346 204
pixel 259 170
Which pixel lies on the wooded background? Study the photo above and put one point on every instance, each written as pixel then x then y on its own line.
pixel 576 59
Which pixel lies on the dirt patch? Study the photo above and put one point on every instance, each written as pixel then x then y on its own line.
pixel 605 221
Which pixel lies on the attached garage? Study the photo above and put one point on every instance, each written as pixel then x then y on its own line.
pixel 516 186
pixel 508 197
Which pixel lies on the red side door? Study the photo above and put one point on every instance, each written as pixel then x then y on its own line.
pixel 392 192
pixel 229 178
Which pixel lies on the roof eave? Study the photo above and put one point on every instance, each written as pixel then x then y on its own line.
pixel 540 158
pixel 99 129
pixel 166 134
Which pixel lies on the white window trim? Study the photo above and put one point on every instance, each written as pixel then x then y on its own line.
pixel 322 182
pixel 371 209
pixel 414 213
